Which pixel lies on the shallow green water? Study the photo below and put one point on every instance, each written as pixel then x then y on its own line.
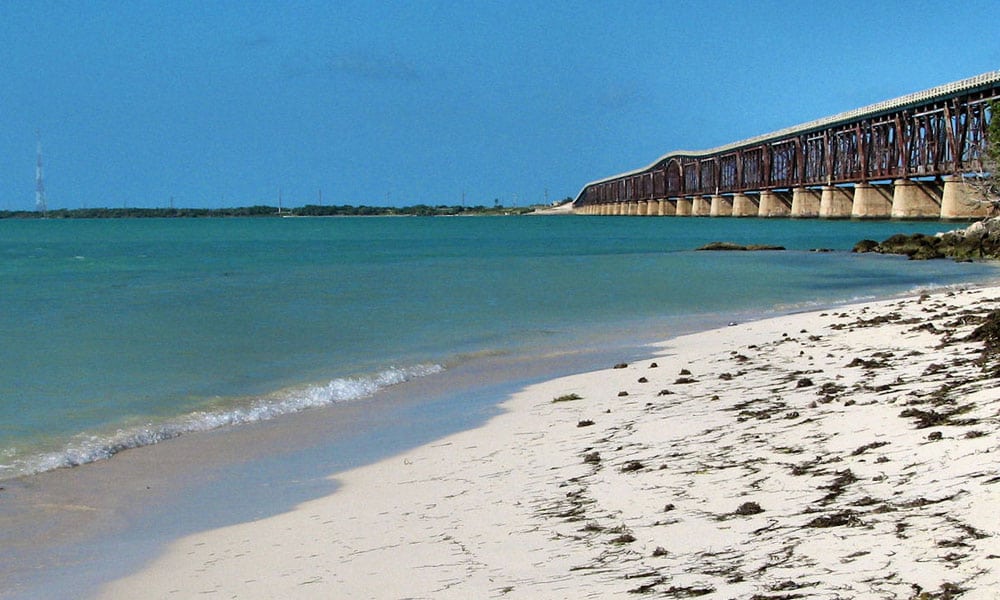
pixel 117 333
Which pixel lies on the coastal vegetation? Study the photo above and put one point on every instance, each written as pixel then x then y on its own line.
pixel 987 181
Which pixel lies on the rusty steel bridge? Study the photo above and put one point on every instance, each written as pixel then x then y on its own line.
pixel 910 157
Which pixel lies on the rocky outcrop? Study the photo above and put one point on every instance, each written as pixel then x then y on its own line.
pixel 981 240
pixel 738 247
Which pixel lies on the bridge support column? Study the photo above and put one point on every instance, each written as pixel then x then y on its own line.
pixel 643 208
pixel 683 207
pixel 701 206
pixel 721 206
pixel 805 203
pixel 836 202
pixel 631 208
pixel 915 200
pixel 744 206
pixel 773 204
pixel 959 200
pixel 871 202
pixel 668 208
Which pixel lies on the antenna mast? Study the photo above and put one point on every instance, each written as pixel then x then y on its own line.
pixel 40 204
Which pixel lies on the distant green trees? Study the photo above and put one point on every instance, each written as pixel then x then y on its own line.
pixel 310 210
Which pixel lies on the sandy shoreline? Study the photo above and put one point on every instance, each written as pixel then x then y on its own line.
pixel 840 454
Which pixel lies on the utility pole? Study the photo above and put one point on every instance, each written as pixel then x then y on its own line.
pixel 40 202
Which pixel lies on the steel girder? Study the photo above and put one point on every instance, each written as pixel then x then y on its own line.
pixel 944 136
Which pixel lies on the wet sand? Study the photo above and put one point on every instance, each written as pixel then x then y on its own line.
pixel 846 453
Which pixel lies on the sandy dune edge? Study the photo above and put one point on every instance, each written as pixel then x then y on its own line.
pixel 846 454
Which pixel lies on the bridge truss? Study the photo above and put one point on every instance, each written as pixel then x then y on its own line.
pixel 929 134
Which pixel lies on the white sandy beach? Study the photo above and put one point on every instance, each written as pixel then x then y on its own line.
pixel 850 453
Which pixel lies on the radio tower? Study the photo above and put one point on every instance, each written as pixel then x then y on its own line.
pixel 39 181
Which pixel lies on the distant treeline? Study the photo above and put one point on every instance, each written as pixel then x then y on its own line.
pixel 310 210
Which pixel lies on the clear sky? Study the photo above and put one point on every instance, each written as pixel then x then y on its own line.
pixel 224 103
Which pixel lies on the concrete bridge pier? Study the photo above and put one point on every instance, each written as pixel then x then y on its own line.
pixel 959 200
pixel 805 203
pixel 643 208
pixel 683 207
pixel 871 202
pixel 774 204
pixel 721 206
pixel 744 206
pixel 668 208
pixel 836 202
pixel 915 200
pixel 701 206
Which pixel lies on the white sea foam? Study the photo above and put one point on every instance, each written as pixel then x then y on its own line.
pixel 86 448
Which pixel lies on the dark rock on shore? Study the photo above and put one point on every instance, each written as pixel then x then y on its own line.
pixel 981 240
pixel 729 246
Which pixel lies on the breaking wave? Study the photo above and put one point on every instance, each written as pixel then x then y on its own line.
pixel 88 447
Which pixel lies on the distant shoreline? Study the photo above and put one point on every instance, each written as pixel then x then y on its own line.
pixel 419 210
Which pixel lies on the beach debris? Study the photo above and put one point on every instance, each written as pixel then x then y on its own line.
pixel 664 392
pixel 622 394
pixel 748 509
pixel 988 333
pixel 933 418
pixel 643 380
pixel 567 398
pixel 632 465
pixel 660 551
pixel 592 527
pixel 646 587
pixel 836 487
pixel 687 592
pixel 584 423
pixel 621 366
pixel 592 458
pixel 842 518
pixel 653 365
pixel 947 591
pixel 862 449
pixel 684 380
pixel 866 363
pixel 804 382
pixel 625 538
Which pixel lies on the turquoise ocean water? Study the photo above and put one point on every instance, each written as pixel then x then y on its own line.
pixel 121 333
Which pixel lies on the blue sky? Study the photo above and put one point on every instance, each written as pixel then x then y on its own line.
pixel 396 103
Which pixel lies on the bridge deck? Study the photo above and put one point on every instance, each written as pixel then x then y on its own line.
pixel 930 133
